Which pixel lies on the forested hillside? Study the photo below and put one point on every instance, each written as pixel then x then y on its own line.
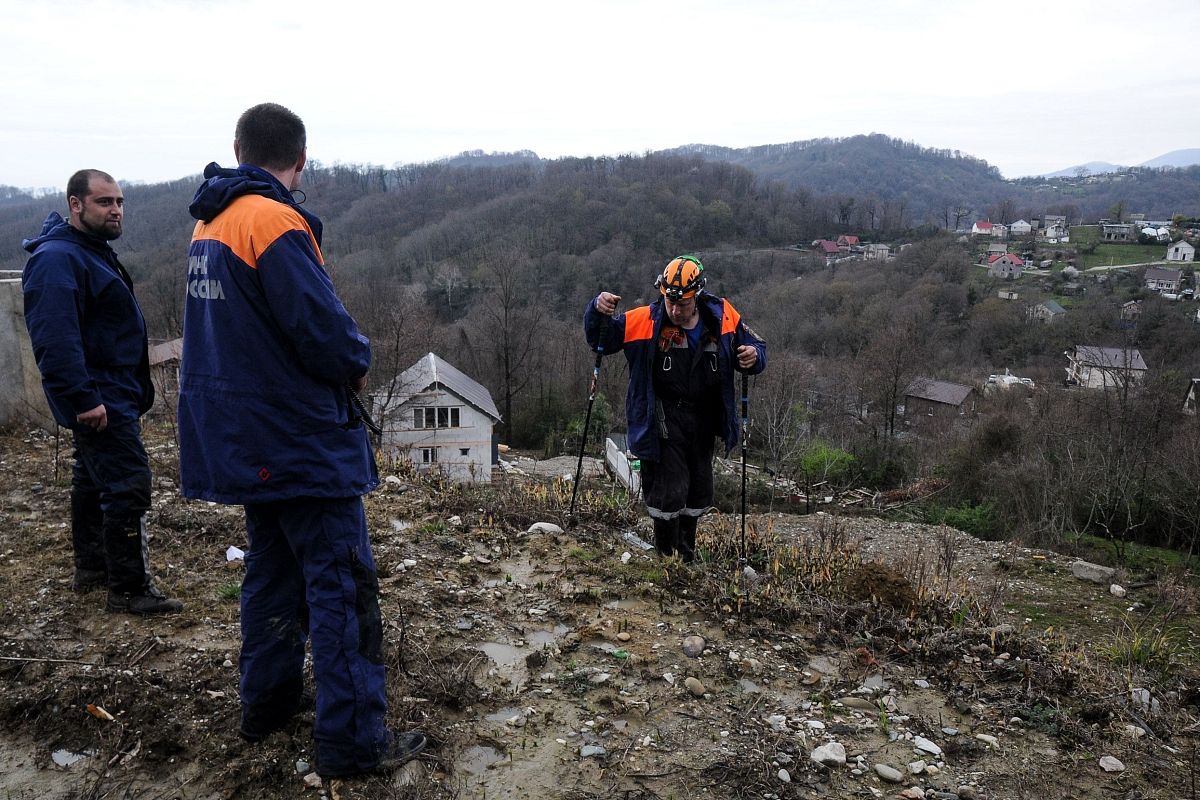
pixel 489 261
pixel 876 176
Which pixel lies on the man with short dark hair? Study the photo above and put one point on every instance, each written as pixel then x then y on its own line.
pixel 89 340
pixel 271 359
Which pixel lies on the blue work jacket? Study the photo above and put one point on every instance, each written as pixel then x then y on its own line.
pixel 636 333
pixel 268 353
pixel 87 330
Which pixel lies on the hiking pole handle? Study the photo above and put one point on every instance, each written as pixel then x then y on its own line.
pixel 605 325
pixel 606 322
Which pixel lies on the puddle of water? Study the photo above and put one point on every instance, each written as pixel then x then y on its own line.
pixel 510 658
pixel 477 759
pixel 514 572
pixel 603 645
pixel 539 639
pixel 506 656
pixel 625 604
pixel 502 715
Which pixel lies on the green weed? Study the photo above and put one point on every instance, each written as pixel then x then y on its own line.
pixel 1145 646
pixel 582 554
pixel 433 527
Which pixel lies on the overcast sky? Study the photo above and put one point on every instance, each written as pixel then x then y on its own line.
pixel 150 90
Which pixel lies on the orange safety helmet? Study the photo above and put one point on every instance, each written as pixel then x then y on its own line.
pixel 682 279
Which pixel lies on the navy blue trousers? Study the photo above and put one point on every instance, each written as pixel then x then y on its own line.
pixel 310 575
pixel 110 494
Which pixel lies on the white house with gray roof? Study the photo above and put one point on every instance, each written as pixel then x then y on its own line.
pixel 1104 367
pixel 1181 251
pixel 439 419
pixel 1046 311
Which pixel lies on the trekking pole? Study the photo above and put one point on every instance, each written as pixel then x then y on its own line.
pixel 745 434
pixel 587 418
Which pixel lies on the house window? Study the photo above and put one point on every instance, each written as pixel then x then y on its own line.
pixel 464 451
pixel 436 417
pixel 429 455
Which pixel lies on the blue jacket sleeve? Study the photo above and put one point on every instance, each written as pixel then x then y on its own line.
pixel 601 329
pixel 53 306
pixel 306 307
pixel 745 336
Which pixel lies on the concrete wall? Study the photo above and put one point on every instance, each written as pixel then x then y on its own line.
pixel 21 399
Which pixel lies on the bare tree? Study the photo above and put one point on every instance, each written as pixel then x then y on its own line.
pixel 447 275
pixel 510 323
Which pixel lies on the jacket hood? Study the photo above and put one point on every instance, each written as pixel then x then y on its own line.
pixel 56 228
pixel 222 186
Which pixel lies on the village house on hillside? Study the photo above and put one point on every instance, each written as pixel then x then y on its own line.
pixel 1118 232
pixel 940 402
pixel 1006 266
pixel 1046 311
pixel 847 241
pixel 439 419
pixel 1192 396
pixel 827 248
pixel 1131 310
pixel 877 252
pixel 1181 251
pixel 164 373
pixel 1020 228
pixel 982 228
pixel 1054 228
pixel 1162 279
pixel 1104 367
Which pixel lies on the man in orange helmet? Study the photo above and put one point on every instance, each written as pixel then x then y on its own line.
pixel 682 350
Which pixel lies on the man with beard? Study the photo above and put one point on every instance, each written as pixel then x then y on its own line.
pixel 89 340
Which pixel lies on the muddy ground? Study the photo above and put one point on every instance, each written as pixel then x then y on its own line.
pixel 551 664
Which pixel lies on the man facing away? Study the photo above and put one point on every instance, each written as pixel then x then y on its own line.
pixel 682 350
pixel 266 420
pixel 89 340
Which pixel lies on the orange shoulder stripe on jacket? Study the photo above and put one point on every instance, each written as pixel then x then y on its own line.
pixel 638 325
pixel 251 224
pixel 729 318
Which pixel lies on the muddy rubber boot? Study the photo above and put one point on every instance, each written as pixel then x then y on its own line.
pixel 687 539
pixel 403 746
pixel 666 536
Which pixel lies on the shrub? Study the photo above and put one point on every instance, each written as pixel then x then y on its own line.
pixel 978 520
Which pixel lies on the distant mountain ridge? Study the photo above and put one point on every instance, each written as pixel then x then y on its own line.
pixel 1177 159
pixel 1083 170
pixel 928 185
